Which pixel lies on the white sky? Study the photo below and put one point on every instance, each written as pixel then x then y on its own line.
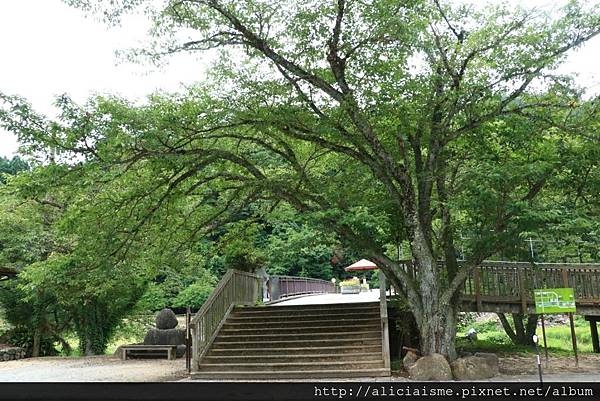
pixel 48 48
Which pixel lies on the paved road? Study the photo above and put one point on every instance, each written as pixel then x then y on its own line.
pixel 370 296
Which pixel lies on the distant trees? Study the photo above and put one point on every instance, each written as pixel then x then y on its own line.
pixel 11 166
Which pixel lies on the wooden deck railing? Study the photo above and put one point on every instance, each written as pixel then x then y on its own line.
pixel 235 288
pixel 287 286
pixel 514 282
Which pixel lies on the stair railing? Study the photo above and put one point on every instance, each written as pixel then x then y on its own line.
pixel 385 337
pixel 235 288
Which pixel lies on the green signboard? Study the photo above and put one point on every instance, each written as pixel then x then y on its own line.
pixel 554 300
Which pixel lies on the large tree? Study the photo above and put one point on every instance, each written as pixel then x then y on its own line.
pixel 385 120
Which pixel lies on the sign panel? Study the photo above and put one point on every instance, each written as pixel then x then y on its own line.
pixel 554 300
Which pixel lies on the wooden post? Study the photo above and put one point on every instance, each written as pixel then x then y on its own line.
pixel 188 340
pixel 544 335
pixel 594 332
pixel 573 338
pixel 522 291
pixel 385 340
pixel 565 278
pixel 477 280
pixel 195 335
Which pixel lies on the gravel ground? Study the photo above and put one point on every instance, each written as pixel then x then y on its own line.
pixel 96 369
pixel 555 378
pixel 111 369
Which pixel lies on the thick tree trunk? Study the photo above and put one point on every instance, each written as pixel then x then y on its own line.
pixel 89 351
pixel 438 334
pixel 37 343
pixel 436 323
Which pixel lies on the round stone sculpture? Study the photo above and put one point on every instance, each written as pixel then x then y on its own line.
pixel 166 319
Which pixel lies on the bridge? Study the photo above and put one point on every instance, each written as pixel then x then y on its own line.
pixel 321 336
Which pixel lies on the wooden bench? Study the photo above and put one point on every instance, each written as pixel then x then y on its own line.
pixel 171 350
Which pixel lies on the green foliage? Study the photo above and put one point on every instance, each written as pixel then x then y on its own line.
pixel 193 295
pixel 22 336
pixel 238 247
pixel 154 298
pixel 297 249
pixel 485 326
pixel 11 167
pixel 30 315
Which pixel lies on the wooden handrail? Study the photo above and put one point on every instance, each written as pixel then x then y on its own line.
pixel 385 338
pixel 235 288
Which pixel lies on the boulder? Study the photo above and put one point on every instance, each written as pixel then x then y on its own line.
pixel 492 359
pixel 166 319
pixel 431 367
pixel 165 337
pixel 409 359
pixel 473 368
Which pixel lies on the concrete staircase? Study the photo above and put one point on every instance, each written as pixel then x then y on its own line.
pixel 304 341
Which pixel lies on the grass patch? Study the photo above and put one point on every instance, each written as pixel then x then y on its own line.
pixel 492 338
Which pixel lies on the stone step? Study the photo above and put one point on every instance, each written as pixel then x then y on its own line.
pixel 267 351
pixel 346 306
pixel 237 318
pixel 244 324
pixel 279 311
pixel 261 343
pixel 291 374
pixel 284 357
pixel 293 366
pixel 224 337
pixel 267 329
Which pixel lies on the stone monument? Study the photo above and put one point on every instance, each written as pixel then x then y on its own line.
pixel 166 332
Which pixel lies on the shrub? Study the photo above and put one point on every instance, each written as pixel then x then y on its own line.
pixel 22 336
pixel 193 295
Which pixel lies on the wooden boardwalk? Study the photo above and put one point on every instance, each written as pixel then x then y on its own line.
pixel 508 286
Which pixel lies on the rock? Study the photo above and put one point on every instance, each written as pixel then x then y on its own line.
pixel 473 368
pixel 166 319
pixel 492 359
pixel 165 337
pixel 431 367
pixel 409 359
pixel 180 351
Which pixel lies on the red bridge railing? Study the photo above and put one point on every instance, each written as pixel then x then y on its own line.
pixel 287 286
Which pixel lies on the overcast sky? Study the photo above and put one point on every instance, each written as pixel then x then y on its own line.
pixel 48 48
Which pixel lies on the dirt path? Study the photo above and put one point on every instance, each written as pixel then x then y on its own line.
pixel 98 368
pixel 516 365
